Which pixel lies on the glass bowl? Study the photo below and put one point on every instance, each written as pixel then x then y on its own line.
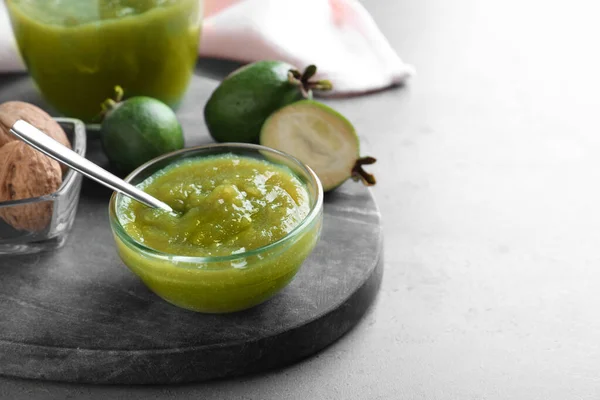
pixel 226 283
pixel 63 204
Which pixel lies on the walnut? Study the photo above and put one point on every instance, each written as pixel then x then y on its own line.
pixel 11 111
pixel 27 173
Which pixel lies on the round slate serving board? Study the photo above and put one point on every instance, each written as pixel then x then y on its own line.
pixel 77 314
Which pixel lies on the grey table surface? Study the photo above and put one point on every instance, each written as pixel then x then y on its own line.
pixel 488 186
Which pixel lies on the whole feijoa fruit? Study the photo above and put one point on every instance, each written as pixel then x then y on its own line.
pixel 138 129
pixel 238 107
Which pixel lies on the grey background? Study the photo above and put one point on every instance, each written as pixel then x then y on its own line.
pixel 488 186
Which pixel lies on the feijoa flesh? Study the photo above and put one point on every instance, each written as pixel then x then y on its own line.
pixel 320 137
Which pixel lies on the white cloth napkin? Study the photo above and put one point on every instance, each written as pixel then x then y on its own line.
pixel 10 60
pixel 339 36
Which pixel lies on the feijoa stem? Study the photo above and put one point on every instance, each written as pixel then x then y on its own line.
pixel 358 173
pixel 305 84
pixel 110 103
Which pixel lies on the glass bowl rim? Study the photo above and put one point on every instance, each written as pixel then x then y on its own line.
pixel 79 146
pixel 174 258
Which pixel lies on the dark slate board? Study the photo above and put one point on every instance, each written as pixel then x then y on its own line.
pixel 79 315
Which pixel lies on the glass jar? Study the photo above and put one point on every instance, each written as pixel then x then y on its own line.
pixel 77 51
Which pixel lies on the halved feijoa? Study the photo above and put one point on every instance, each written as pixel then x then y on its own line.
pixel 321 138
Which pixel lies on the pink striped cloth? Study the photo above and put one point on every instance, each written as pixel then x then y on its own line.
pixel 339 36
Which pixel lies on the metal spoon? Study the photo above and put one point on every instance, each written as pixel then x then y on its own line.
pixel 44 143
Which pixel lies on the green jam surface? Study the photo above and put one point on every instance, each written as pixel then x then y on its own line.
pixel 226 204
pixel 77 51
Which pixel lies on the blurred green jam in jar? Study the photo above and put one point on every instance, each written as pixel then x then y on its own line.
pixel 77 51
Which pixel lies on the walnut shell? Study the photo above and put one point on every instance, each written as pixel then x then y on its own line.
pixel 11 111
pixel 27 173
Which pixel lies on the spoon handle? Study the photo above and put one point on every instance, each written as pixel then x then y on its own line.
pixel 44 143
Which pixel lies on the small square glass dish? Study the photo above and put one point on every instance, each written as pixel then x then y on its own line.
pixel 61 206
